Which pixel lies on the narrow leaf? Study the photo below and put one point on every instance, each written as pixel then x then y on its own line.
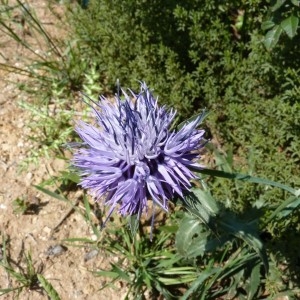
pixel 285 208
pixel 81 240
pixel 50 193
pixel 247 233
pixel 9 290
pixel 134 222
pixel 123 275
pixel 47 286
pixel 200 281
pixel 179 279
pixel 254 282
pixel 179 270
pixel 201 115
pixel 247 178
pixel 109 274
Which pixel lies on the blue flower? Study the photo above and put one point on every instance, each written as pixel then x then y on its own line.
pixel 132 155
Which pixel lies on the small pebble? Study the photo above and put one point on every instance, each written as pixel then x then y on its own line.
pixel 47 229
pixel 91 254
pixel 3 206
pixel 94 237
pixel 56 250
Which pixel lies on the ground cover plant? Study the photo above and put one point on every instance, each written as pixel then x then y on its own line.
pixel 228 232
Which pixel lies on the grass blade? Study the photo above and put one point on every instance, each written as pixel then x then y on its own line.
pixel 47 286
pixel 248 178
pixel 50 193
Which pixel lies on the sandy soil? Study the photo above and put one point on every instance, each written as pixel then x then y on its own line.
pixel 67 271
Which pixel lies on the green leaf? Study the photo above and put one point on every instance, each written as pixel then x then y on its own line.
pixel 207 201
pixel 134 222
pixel 201 204
pixel 272 37
pixel 193 239
pixel 50 193
pixel 9 290
pixel 201 115
pixel 72 176
pixel 248 178
pixel 290 25
pixel 178 279
pixel 267 25
pixel 123 275
pixel 247 233
pixel 203 276
pixel 254 282
pixel 115 273
pixel 79 240
pixel 47 286
pixel 168 228
pixel 296 2
pixel 223 161
pixel 189 234
pixel 236 281
pixel 109 274
pixel 234 269
pixel 285 208
pixel 87 207
pixel 277 5
pixel 179 270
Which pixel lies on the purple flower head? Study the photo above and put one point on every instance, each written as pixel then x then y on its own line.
pixel 132 155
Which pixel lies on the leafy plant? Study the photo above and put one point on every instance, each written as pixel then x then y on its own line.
pixel 54 72
pixel 52 64
pixel 283 18
pixel 28 277
pixel 20 205
pixel 209 228
pixel 144 265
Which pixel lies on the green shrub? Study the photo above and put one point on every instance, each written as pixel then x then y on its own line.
pixel 199 54
pixel 211 54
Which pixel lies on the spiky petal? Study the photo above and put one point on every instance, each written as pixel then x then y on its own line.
pixel 132 155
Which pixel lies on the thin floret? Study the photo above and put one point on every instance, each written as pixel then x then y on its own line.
pixel 132 156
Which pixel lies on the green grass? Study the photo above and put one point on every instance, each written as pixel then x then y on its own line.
pixel 26 277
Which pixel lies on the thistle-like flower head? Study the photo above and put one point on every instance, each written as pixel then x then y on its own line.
pixel 132 155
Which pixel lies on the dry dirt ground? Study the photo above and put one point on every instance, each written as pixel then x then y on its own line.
pixel 68 272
